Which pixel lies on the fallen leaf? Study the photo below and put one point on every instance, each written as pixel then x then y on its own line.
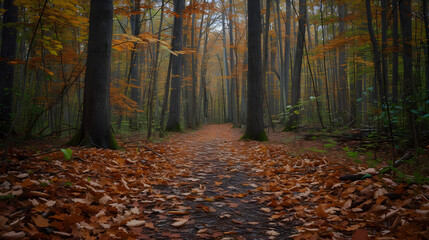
pixel 180 222
pixel 149 225
pixel 360 234
pixel 272 233
pixel 105 199
pixel 41 221
pixel 13 235
pixel 50 203
pixel 320 212
pixel 179 212
pixel 22 175
pixel 135 223
pixel 347 204
pixel 267 210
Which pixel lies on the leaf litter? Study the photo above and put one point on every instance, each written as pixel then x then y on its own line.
pixel 207 185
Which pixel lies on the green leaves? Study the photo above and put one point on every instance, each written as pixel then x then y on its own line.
pixel 67 153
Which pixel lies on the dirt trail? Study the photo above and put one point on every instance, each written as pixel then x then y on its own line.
pixel 217 188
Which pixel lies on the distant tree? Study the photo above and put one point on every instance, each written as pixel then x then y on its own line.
pixel 96 130
pixel 407 54
pixel 173 123
pixel 255 122
pixel 292 121
pixel 8 49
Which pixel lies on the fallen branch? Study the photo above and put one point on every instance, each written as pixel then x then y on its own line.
pixel 147 148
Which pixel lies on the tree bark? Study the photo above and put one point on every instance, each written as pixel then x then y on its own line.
pixel 234 110
pixel 287 51
pixel 395 55
pixel 292 121
pixel 255 122
pixel 173 123
pixel 407 53
pixel 96 130
pixel 134 76
pixel 8 52
pixel 226 67
pixel 154 74
pixel 342 75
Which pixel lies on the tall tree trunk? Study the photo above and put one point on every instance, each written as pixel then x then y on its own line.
pixel 385 67
pixel 8 52
pixel 374 44
pixel 409 93
pixel 193 105
pixel 292 121
pixel 154 74
pixel 325 71
pixel 281 58
pixel 166 94
pixel 287 51
pixel 395 57
pixel 96 130
pixel 134 76
pixel 426 22
pixel 225 62
pixel 234 110
pixel 173 123
pixel 255 114
pixel 342 63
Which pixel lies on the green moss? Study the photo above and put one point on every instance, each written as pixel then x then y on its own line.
pixel 80 140
pixel 289 128
pixel 328 145
pixel 113 143
pixel 175 128
pixel 262 137
pixel 317 150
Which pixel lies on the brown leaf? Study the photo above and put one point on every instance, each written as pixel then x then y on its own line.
pixel 360 234
pixel 41 221
pixel 320 212
pixel 347 204
pixel 135 223
pixel 13 235
pixel 180 222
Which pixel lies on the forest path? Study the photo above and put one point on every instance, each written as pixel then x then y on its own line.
pixel 218 190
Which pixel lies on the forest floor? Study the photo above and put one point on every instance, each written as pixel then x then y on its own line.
pixel 205 184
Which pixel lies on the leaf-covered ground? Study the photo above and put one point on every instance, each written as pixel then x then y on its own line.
pixel 204 185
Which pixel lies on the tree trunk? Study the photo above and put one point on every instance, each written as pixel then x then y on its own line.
pixel 96 130
pixel 234 110
pixel 409 93
pixel 426 19
pixel 134 76
pixel 8 52
pixel 154 75
pixel 193 105
pixel 342 63
pixel 255 121
pixel 292 121
pixel 287 51
pixel 395 60
pixel 173 123
pixel 225 62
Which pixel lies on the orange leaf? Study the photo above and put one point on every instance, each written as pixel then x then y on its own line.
pixel 320 212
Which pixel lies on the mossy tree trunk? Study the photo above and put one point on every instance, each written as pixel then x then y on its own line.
pixel 292 121
pixel 96 130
